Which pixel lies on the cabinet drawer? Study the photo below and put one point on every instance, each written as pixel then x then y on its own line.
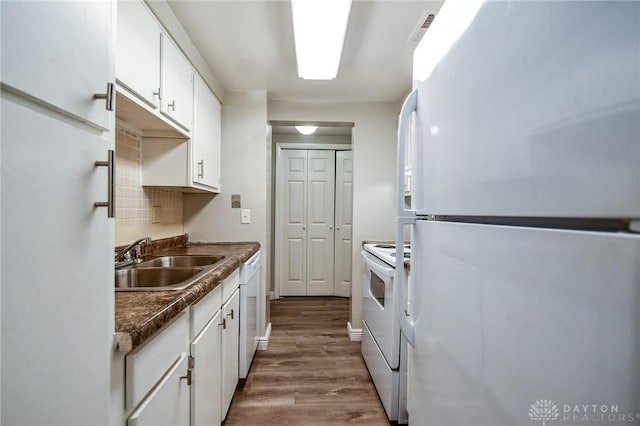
pixel 206 308
pixel 168 403
pixel 229 285
pixel 148 363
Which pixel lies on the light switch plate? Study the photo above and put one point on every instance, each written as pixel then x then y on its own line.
pixel 245 217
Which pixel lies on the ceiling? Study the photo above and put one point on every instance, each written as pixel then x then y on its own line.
pixel 248 45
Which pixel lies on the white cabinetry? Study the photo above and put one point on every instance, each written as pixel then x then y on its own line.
pixel 177 85
pixel 214 351
pixel 60 55
pixel 206 137
pixel 151 67
pixel 57 313
pixel 138 51
pixel 230 349
pixel 158 378
pixel 206 387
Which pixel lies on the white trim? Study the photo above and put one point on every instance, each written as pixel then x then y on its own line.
pixel 263 341
pixel 272 295
pixel 314 146
pixel 355 334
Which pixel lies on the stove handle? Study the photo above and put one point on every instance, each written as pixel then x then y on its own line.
pixel 405 217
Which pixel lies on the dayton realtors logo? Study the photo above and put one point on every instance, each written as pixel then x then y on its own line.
pixel 543 409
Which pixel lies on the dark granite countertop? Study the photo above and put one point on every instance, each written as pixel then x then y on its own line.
pixel 139 314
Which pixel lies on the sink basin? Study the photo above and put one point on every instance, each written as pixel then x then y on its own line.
pixel 156 278
pixel 181 261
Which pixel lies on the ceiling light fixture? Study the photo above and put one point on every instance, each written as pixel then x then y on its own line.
pixel 306 130
pixel 319 28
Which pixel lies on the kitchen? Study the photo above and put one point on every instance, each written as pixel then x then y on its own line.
pixel 75 250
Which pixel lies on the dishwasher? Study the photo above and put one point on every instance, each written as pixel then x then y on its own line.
pixel 250 274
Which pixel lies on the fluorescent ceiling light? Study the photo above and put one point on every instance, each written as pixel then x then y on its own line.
pixel 307 130
pixel 319 27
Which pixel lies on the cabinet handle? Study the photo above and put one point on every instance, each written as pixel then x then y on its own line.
pixel 223 323
pixel 157 94
pixel 110 164
pixel 108 96
pixel 231 314
pixel 187 377
pixel 201 169
pixel 172 105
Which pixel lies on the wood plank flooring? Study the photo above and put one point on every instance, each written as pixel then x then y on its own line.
pixel 311 373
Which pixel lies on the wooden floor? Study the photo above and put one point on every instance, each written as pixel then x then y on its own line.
pixel 311 373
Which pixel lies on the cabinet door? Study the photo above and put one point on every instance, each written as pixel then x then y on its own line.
pixel 230 350
pixel 60 54
pixel 177 85
pixel 206 373
pixel 168 402
pixel 138 51
pixel 206 137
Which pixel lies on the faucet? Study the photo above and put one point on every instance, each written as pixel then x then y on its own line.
pixel 125 253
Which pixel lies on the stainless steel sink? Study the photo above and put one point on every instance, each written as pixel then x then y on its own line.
pixel 165 273
pixel 180 261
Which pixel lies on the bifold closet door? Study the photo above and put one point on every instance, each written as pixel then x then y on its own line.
pixel 308 186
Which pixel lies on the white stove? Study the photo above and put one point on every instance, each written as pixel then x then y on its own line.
pixel 387 252
pixel 383 349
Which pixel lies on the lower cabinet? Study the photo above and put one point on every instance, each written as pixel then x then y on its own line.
pixel 168 402
pixel 188 372
pixel 206 385
pixel 230 349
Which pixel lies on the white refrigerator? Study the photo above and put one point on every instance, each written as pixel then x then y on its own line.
pixel 523 303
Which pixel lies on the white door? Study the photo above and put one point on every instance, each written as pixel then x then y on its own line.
pixel 320 217
pixel 177 85
pixel 61 54
pixel 537 314
pixel 206 137
pixel 558 139
pixel 206 387
pixel 138 51
pixel 307 186
pixel 57 247
pixel 168 402
pixel 230 350
pixel 293 264
pixel 344 214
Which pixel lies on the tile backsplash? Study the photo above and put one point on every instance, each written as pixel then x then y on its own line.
pixel 134 202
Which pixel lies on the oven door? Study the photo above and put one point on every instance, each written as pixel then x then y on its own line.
pixel 379 307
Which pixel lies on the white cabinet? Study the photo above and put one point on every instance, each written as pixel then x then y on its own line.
pixel 60 55
pixel 206 387
pixel 56 362
pixel 158 377
pixel 230 349
pixel 138 51
pixel 168 402
pixel 176 84
pixel 151 67
pixel 206 137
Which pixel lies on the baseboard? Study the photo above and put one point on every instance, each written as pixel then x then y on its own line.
pixel 355 334
pixel 264 340
pixel 272 295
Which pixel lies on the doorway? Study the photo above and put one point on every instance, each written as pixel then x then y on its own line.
pixel 313 214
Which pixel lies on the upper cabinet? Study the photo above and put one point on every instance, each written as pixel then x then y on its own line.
pixel 206 137
pixel 177 85
pixel 138 52
pixel 50 65
pixel 161 94
pixel 150 67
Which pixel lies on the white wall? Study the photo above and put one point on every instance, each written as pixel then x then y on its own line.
pixel 374 154
pixel 244 171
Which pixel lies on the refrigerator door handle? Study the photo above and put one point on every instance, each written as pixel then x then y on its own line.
pixel 405 217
